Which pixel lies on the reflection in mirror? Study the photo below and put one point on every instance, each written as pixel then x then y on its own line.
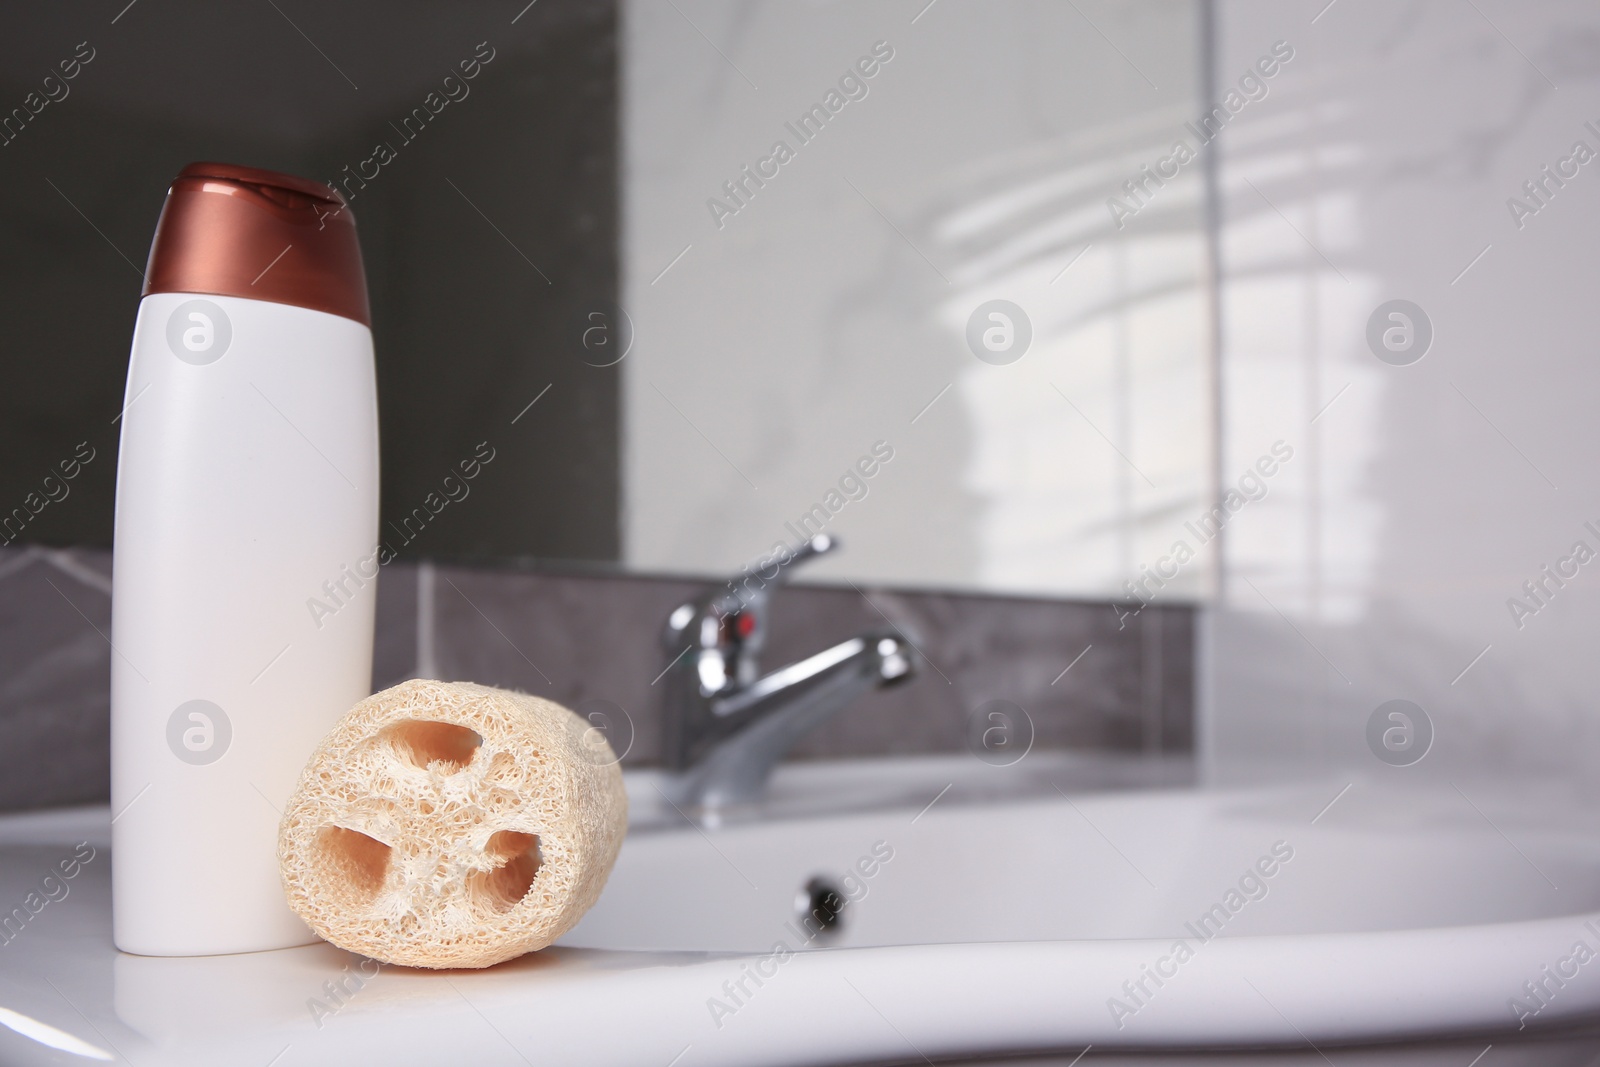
pixel 934 281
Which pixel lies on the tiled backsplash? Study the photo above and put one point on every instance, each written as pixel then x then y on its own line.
pixel 576 638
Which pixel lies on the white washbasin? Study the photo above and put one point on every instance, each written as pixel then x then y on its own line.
pixel 1047 921
pixel 1098 867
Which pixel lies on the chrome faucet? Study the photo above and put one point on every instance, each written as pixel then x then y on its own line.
pixel 726 725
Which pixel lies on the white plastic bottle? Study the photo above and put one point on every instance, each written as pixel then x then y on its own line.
pixel 247 488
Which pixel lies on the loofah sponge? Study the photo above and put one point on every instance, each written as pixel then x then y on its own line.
pixel 445 824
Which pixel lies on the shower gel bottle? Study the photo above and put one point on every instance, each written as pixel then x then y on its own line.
pixel 244 563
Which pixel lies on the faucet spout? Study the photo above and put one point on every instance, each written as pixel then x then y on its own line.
pixel 768 718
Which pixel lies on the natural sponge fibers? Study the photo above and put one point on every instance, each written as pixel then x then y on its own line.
pixel 445 824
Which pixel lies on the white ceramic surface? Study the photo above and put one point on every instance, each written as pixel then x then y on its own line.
pixel 994 927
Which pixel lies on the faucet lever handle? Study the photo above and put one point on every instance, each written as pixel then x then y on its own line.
pixel 752 587
pixel 819 545
pixel 735 615
pixel 753 598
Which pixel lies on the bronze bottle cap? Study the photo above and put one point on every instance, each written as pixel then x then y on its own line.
pixel 239 231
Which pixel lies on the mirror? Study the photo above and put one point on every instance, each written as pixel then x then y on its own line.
pixel 704 277
pixel 885 278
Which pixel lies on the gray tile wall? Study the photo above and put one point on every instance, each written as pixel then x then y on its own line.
pixel 575 638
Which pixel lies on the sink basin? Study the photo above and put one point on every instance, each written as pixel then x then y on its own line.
pixel 1111 866
pixel 898 910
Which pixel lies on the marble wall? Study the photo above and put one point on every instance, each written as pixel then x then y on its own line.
pixel 1433 483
